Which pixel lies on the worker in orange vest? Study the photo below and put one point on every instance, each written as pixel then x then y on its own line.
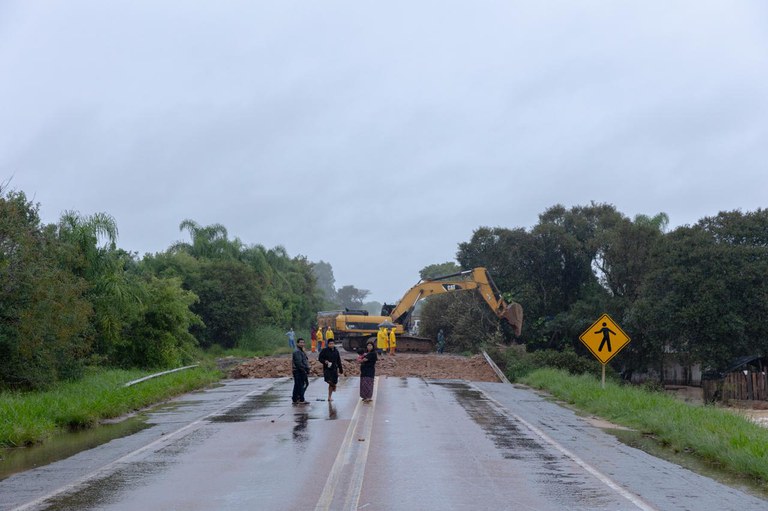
pixel 312 339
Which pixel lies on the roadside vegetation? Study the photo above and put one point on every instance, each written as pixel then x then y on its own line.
pixel 692 293
pixel 716 436
pixel 31 417
pixel 71 299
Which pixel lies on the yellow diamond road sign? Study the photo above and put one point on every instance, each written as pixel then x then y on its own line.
pixel 604 338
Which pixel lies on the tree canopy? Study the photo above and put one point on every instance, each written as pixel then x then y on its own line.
pixel 69 297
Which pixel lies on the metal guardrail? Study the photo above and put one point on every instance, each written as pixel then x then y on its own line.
pixel 134 382
pixel 495 368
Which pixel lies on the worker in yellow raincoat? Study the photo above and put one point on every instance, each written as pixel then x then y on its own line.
pixel 392 341
pixel 329 336
pixel 318 345
pixel 382 340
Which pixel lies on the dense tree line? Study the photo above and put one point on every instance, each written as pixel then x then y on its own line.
pixel 698 291
pixel 69 297
pixel 239 287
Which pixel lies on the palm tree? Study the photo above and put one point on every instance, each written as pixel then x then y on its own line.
pixel 82 234
pixel 207 242
pixel 659 221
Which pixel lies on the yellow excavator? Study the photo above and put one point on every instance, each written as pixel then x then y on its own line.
pixel 355 327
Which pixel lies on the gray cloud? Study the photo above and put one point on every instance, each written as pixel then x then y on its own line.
pixel 378 137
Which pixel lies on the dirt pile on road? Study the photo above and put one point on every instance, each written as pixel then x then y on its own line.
pixel 473 368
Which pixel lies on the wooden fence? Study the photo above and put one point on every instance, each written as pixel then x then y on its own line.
pixel 752 386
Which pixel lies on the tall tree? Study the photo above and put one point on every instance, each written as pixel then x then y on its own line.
pixel 706 295
pixel 439 270
pixel 231 302
pixel 206 241
pixel 44 316
pixel 352 297
pixel 325 280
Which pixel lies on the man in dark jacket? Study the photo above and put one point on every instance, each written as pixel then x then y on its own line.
pixel 331 360
pixel 300 365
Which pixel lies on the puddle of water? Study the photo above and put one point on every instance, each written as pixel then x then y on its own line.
pixel 250 408
pixel 693 463
pixel 514 443
pixel 62 446
pixel 96 494
pixel 300 434
pixel 100 492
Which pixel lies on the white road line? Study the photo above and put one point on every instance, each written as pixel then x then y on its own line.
pixel 344 459
pixel 358 470
pixel 634 499
pixel 162 440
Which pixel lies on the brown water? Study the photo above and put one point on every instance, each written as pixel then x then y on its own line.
pixel 62 446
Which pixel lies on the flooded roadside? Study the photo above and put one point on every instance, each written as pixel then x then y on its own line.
pixel 19 459
pixel 687 459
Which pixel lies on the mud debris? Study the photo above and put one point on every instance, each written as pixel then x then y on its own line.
pixel 408 365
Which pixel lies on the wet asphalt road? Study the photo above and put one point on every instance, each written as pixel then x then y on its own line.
pixel 421 445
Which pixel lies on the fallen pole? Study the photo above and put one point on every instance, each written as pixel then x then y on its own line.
pixel 495 368
pixel 134 382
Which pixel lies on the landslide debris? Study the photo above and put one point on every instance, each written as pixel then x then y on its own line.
pixel 435 366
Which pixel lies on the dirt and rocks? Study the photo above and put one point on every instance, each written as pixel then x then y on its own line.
pixel 436 366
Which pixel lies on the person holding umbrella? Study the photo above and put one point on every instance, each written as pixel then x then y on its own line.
pixel 382 337
pixel 381 340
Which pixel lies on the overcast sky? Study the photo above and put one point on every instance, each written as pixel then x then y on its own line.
pixel 377 136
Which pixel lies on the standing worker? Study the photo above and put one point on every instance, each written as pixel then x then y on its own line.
pixel 320 338
pixel 440 341
pixel 331 360
pixel 381 340
pixel 313 338
pixel 300 366
pixel 291 339
pixel 392 341
pixel 329 335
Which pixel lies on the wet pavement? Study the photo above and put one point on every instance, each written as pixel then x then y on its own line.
pixel 421 444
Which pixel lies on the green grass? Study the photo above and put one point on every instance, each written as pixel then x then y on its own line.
pixel 716 436
pixel 31 417
pixel 262 341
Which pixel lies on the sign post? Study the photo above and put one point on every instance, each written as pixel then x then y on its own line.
pixel 604 338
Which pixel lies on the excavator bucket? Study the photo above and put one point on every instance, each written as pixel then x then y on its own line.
pixel 513 313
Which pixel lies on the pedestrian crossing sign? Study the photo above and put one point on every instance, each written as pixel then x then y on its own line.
pixel 604 338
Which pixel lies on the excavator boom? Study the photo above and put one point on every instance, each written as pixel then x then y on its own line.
pixel 354 328
pixel 478 278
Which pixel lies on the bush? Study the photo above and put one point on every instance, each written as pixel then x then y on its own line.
pixel 567 360
pixel 517 363
pixel 266 340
